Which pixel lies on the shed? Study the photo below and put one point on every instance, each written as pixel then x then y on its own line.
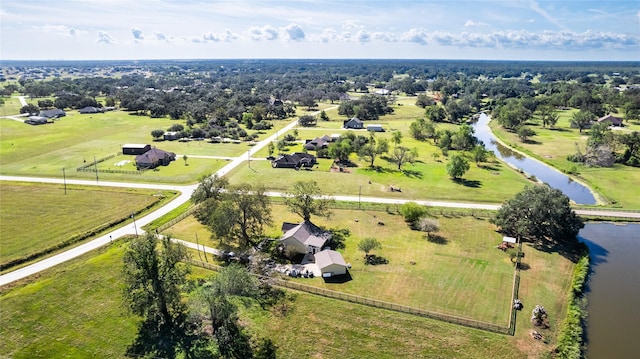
pixel 330 263
pixel 135 148
pixel 171 136
pixel 509 240
pixel 615 121
pixel 375 128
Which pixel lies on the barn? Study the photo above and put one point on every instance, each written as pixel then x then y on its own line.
pixel 135 148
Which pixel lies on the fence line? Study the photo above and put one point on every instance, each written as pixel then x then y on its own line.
pixel 514 293
pixel 138 172
pixel 177 219
pixel 377 303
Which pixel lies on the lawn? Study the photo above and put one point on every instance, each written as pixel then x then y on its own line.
pixel 618 184
pixel 40 216
pixel 466 276
pixel 12 106
pixel 76 139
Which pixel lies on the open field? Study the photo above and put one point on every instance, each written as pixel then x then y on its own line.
pixel 12 106
pixel 76 139
pixel 552 147
pixel 36 217
pixel 466 276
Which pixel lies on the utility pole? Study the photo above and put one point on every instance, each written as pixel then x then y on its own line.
pixel 134 224
pixel 95 166
pixel 64 179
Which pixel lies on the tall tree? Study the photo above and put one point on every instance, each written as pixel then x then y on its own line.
pixel 373 149
pixel 457 166
pixel 582 119
pixel 153 278
pixel 368 244
pixel 539 213
pixel 402 155
pixel 306 199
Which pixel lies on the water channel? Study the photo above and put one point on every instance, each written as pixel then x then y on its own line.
pixel 613 290
pixel 556 179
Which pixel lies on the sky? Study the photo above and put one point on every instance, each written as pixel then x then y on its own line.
pixel 569 30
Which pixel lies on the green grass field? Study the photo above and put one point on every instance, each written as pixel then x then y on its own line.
pixel 618 184
pixel 39 216
pixel 466 277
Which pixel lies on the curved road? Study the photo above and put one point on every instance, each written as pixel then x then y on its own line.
pixel 185 195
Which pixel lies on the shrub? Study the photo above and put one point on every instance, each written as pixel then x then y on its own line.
pixel 412 211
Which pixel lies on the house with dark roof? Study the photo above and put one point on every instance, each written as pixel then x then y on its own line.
pixel 331 263
pixel 89 109
pixel 615 121
pixel 303 238
pixel 318 143
pixel 353 123
pixel 53 113
pixel 294 160
pixel 154 158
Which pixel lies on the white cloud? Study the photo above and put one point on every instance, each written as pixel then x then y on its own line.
pixel 351 26
pixel 415 35
pixel 227 35
pixel 137 33
pixel 160 36
pixel 294 32
pixel 385 36
pixel 471 23
pixel 60 30
pixel 105 38
pixel 363 36
pixel 325 36
pixel 266 32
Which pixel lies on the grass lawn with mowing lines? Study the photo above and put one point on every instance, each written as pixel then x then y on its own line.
pixel 491 183
pixel 39 216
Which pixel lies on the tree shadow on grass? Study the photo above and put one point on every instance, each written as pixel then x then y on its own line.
pixel 524 266
pixel 468 183
pixel 412 173
pixel 437 239
pixel 571 251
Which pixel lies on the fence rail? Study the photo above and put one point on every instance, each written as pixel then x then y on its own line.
pixel 378 303
pixel 177 219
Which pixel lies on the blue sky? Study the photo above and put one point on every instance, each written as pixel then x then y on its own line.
pixel 208 29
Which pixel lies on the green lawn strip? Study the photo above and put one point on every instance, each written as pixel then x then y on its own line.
pixel 168 217
pixel 318 327
pixel 616 184
pixel 61 220
pixel 492 183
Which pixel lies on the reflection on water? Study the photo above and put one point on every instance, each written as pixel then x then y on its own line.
pixel 556 179
pixel 613 290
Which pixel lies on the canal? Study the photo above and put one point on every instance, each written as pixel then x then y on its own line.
pixel 556 179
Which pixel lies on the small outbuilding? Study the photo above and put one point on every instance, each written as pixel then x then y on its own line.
pixel 331 263
pixel 375 128
pixel 171 136
pixel 135 148
pixel 615 121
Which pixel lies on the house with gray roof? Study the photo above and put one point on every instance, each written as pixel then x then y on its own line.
pixel 615 121
pixel 353 123
pixel 304 238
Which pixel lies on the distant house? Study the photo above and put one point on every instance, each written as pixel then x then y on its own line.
pixel 171 136
pixel 330 263
pixel 53 113
pixel 135 149
pixel 303 238
pixel 353 123
pixel 318 143
pixel 36 120
pixel 383 92
pixel 615 121
pixel 89 109
pixel 154 158
pixel 375 128
pixel 294 160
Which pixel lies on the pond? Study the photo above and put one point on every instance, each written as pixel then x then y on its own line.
pixel 613 290
pixel 556 179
